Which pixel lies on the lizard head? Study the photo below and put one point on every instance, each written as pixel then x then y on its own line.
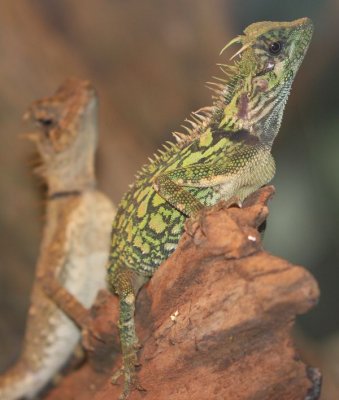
pixel 61 118
pixel 274 50
pixel 66 131
pixel 267 63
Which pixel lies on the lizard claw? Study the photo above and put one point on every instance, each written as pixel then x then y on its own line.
pixel 193 223
pixel 131 380
pixel 116 376
pixel 129 386
pixel 196 222
pixel 234 201
pixel 91 335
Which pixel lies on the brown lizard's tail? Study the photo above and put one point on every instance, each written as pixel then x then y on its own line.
pixel 20 383
pixel 35 370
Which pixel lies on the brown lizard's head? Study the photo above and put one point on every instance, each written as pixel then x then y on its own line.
pixel 66 131
pixel 59 118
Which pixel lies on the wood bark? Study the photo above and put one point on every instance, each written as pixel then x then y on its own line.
pixel 215 320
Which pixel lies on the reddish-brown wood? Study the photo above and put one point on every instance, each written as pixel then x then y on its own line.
pixel 215 320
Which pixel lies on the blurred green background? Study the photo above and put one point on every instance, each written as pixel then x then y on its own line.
pixel 149 61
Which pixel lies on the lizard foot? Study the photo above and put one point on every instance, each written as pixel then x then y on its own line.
pixel 131 382
pixel 234 201
pixel 90 336
pixel 129 372
pixel 196 222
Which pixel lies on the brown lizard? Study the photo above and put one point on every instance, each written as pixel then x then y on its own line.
pixel 76 236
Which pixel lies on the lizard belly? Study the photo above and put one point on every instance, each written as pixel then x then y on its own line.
pixel 84 284
pixel 86 276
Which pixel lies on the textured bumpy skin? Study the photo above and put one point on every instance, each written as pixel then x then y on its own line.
pixel 225 156
pixel 75 243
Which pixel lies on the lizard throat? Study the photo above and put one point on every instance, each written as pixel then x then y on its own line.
pixel 258 110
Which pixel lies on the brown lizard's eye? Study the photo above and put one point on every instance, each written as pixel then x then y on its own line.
pixel 275 48
pixel 47 122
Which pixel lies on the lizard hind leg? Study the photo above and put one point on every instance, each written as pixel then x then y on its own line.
pixel 125 288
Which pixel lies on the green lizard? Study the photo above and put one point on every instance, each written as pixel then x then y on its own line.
pixel 225 156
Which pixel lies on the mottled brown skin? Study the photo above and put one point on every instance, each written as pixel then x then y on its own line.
pixel 75 244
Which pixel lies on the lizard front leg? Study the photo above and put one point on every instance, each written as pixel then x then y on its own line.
pixel 64 299
pixel 48 278
pixel 232 167
pixel 171 185
pixel 176 195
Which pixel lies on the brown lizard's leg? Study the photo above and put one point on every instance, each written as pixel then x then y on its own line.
pixel 65 300
pixel 69 304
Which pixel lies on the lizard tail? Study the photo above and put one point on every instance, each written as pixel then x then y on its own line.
pixel 20 383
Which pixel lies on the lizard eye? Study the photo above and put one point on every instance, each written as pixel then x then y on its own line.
pixel 47 122
pixel 275 48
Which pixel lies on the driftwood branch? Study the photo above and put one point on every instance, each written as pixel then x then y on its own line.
pixel 215 321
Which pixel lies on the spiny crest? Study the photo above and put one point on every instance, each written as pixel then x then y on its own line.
pixel 198 122
pixel 195 125
pixel 160 156
pixel 223 89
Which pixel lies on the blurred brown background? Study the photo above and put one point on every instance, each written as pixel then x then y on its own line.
pixel 149 61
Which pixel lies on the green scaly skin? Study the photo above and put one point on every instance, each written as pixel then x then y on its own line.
pixel 226 155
